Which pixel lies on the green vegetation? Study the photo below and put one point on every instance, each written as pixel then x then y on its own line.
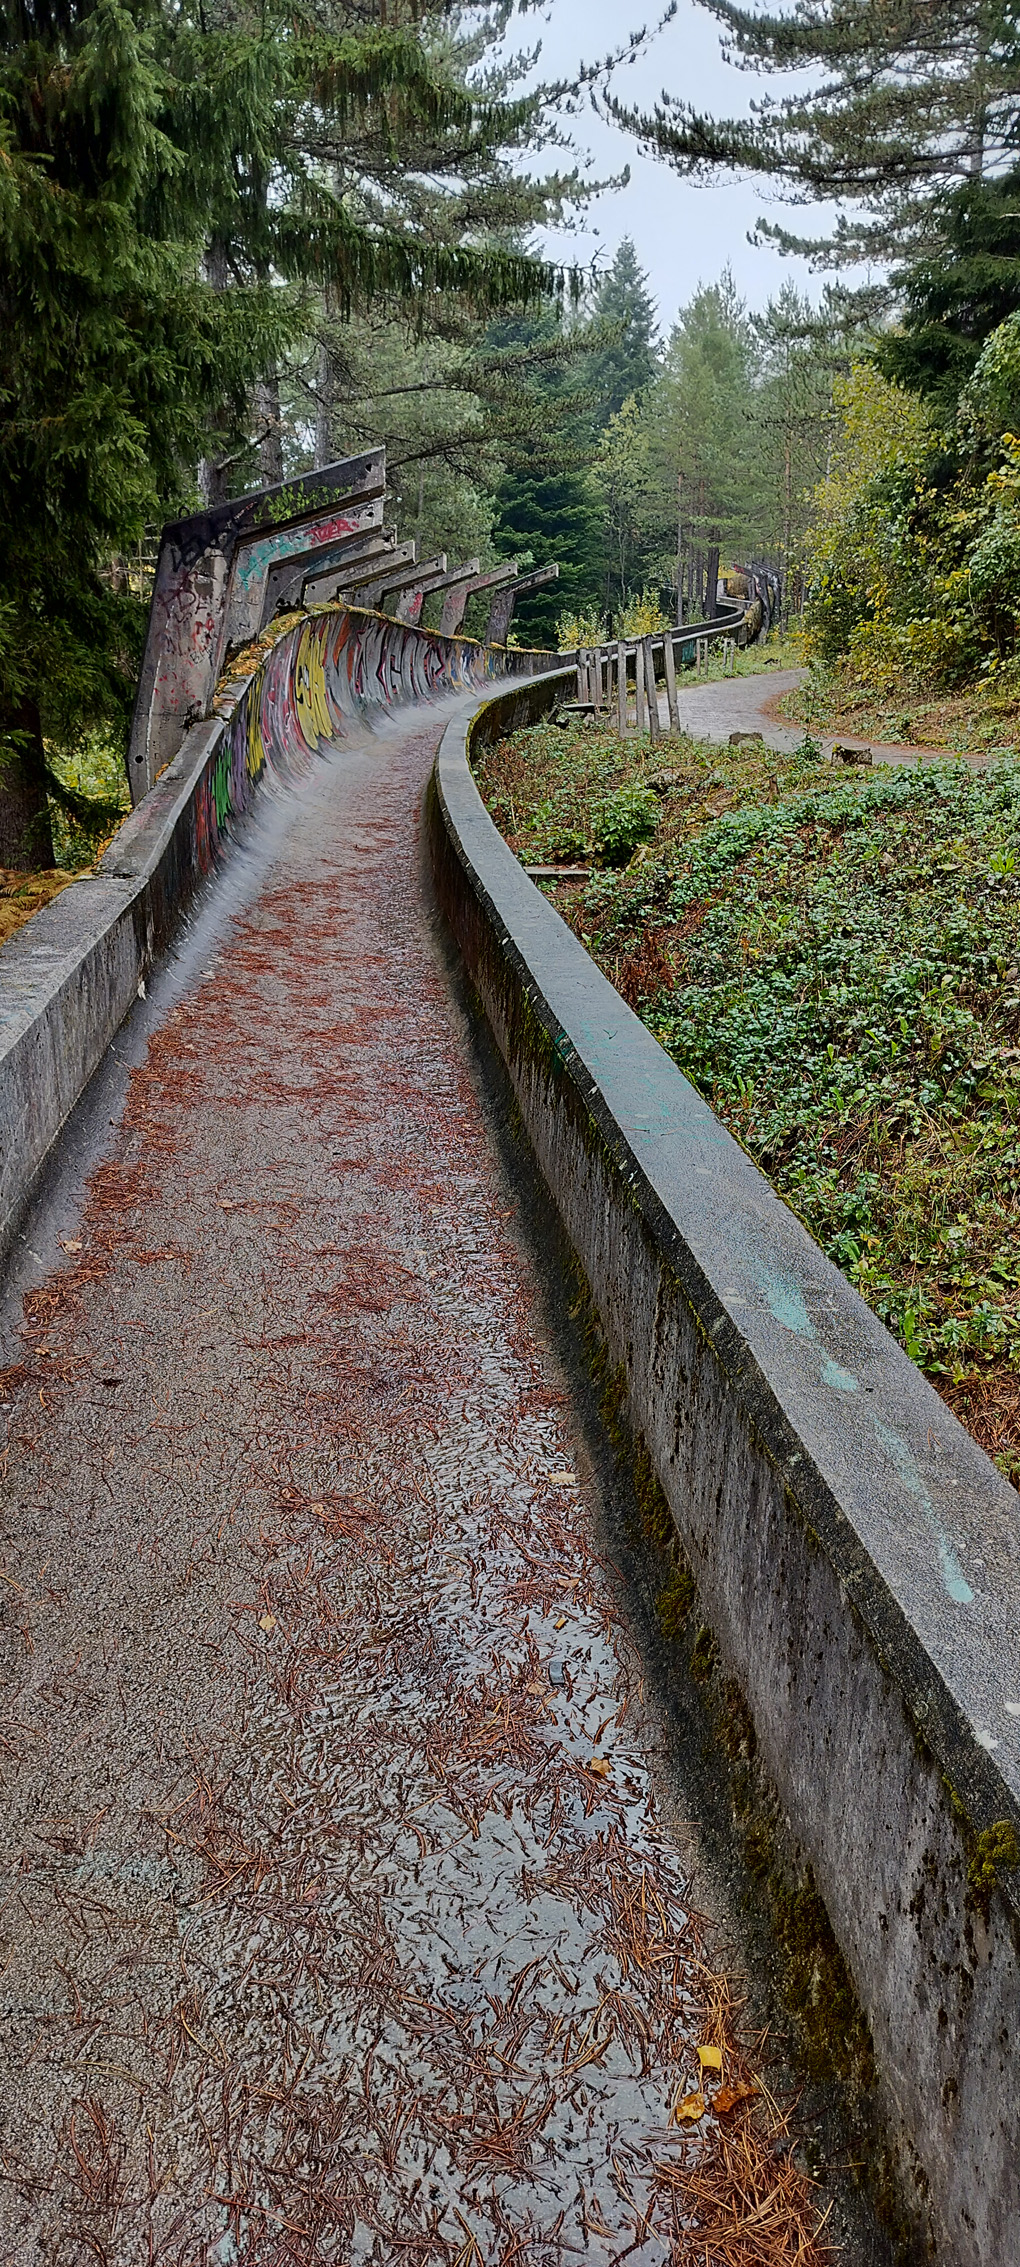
pixel 195 200
pixel 834 960
pixel 896 107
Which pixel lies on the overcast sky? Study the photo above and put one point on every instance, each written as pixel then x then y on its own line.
pixel 685 233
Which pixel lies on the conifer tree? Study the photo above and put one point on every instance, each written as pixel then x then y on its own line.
pixel 952 300
pixel 169 213
pixel 909 101
pixel 545 505
pixel 624 309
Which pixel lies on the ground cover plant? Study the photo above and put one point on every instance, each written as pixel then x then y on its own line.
pixel 88 796
pixel 979 719
pixel 832 956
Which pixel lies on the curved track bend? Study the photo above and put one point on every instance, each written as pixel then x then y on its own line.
pixel 341 1916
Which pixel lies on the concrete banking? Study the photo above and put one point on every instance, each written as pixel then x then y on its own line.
pixel 855 1556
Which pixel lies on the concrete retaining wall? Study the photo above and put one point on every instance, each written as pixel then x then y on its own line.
pixel 856 1556
pixel 68 978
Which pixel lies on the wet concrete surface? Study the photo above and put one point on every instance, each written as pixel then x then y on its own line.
pixel 344 1910
pixel 712 710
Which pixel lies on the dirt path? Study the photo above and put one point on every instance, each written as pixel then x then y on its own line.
pixel 748 704
pixel 340 1915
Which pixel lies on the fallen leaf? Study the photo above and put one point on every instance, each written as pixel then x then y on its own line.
pixel 729 2097
pixel 562 1623
pixel 710 2058
pixel 318 1509
pixel 267 1622
pixel 70 1243
pixel 693 2106
pixel 562 1479
pixel 599 1767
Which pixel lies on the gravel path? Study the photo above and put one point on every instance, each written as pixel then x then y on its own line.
pixel 340 1915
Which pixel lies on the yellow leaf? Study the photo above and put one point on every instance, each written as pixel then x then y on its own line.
pixel 692 2107
pixel 71 1243
pixel 267 1622
pixel 562 1623
pixel 710 2058
pixel 599 1766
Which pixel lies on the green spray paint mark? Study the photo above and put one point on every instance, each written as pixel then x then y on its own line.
pixel 955 1581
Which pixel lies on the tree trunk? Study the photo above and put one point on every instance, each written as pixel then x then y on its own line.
pixel 26 836
pixel 212 474
pixel 270 429
pixel 326 387
pixel 711 597
pixel 212 482
pixel 679 549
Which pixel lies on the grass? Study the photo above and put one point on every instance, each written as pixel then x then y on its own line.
pixel 21 895
pixel 981 719
pixel 775 652
pixel 833 959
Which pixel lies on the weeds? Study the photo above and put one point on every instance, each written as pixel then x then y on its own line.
pixel 834 961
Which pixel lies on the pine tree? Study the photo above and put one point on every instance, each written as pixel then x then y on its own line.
pixel 709 472
pixel 624 309
pixel 167 223
pixel 546 508
pixel 109 353
pixel 913 101
pixel 954 299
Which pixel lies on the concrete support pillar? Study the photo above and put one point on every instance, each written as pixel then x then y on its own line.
pixel 455 602
pixel 501 612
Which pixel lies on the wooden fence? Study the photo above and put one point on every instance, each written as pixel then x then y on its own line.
pixel 605 673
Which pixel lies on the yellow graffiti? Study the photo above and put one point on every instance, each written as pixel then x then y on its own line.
pixel 310 698
pixel 254 750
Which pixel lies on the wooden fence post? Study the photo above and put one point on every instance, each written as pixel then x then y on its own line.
pixel 651 693
pixel 639 686
pixel 669 659
pixel 621 688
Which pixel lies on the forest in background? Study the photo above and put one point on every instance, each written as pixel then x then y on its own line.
pixel 238 243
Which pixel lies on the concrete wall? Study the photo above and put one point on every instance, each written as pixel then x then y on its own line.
pixel 856 1556
pixel 210 583
pixel 69 976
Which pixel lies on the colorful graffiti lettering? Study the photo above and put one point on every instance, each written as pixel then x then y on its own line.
pixel 324 673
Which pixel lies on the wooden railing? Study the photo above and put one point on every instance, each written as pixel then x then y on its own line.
pixel 605 673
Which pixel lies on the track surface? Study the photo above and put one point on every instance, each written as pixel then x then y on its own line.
pixel 341 1916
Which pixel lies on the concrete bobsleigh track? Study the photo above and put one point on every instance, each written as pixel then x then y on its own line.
pixel 68 977
pixel 284 1390
pixel 853 1556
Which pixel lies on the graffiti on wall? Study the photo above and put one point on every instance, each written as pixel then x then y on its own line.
pixel 325 672
pixel 195 589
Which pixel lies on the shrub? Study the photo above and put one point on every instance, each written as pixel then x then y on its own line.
pixel 621 821
pixel 642 617
pixel 586 628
